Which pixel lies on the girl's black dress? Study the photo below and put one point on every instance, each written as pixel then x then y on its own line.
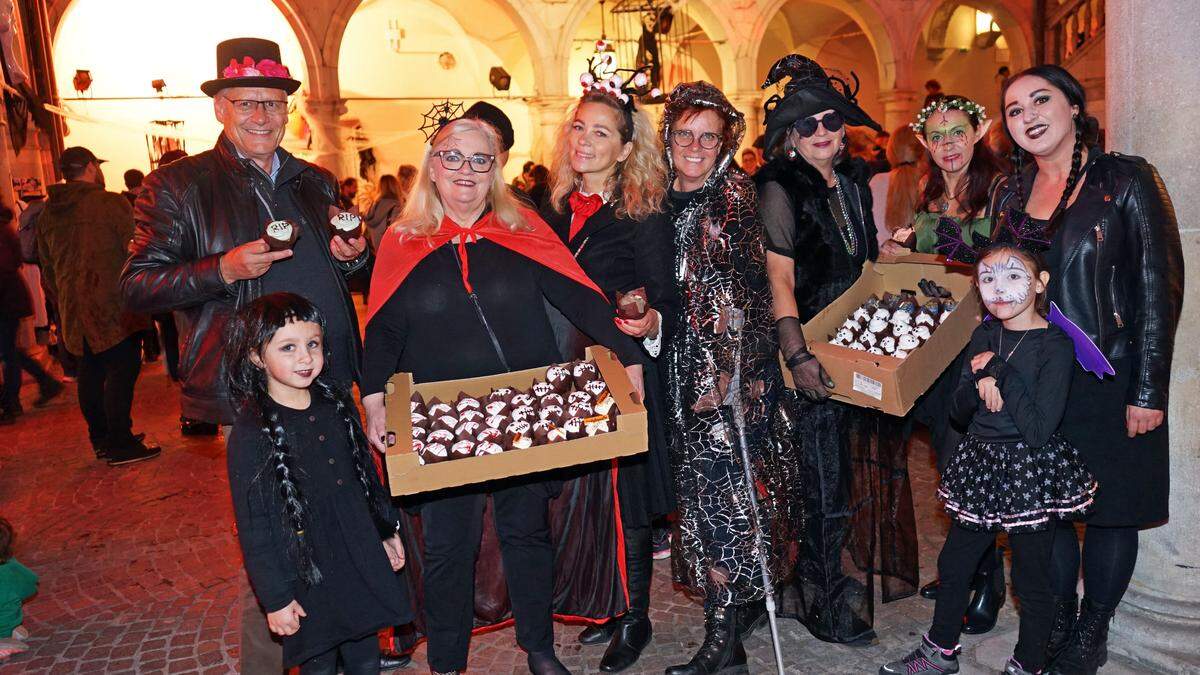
pixel 359 593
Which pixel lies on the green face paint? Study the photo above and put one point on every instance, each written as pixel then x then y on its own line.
pixel 947 128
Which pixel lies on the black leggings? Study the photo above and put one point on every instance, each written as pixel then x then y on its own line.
pixel 1031 577
pixel 359 657
pixel 1109 556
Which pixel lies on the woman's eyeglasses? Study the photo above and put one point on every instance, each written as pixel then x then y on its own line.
pixel 832 121
pixel 452 160
pixel 684 139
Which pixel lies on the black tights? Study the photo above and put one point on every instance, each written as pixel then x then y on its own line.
pixel 1109 556
pixel 359 657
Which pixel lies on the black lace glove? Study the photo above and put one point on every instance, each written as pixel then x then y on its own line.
pixel 810 378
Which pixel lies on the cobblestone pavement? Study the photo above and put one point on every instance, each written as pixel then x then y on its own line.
pixel 138 565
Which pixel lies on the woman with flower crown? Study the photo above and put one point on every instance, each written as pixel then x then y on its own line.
pixel 960 180
pixel 606 204
pixel 816 210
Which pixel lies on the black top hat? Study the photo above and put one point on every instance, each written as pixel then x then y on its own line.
pixel 809 90
pixel 249 62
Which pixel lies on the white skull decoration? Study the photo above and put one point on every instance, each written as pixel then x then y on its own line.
pixel 899 329
pixel 888 344
pixel 852 324
pixel 925 318
pixel 862 315
pixel 844 336
pixel 922 332
pixel 945 315
pixel 902 317
pixel 867 338
pixel 875 350
pixel 882 313
pixel 877 325
pixel 858 345
pixel 900 354
pixel 908 342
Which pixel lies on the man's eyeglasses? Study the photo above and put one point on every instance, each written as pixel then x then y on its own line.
pixel 684 139
pixel 247 106
pixel 832 121
pixel 452 160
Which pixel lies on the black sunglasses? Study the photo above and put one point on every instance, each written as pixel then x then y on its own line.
pixel 832 121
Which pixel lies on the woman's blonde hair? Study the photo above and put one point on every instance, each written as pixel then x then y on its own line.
pixel 639 184
pixel 423 212
pixel 906 155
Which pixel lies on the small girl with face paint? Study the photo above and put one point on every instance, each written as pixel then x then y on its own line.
pixel 1012 472
pixel 318 533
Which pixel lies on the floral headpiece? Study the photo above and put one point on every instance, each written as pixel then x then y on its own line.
pixel 438 116
pixel 1013 228
pixel 944 104
pixel 249 68
pixel 602 77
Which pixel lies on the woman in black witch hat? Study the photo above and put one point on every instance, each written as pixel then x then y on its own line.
pixel 816 209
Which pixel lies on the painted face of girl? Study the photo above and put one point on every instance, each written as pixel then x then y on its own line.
pixel 1006 284
pixel 951 139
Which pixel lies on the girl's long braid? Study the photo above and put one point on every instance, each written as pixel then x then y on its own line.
pixel 294 511
pixel 1073 177
pixel 364 463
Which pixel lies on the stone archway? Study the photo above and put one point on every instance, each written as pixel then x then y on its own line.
pixel 1019 34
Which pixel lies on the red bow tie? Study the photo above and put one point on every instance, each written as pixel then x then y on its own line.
pixel 582 208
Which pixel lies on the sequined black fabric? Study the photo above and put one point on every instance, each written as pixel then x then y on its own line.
pixel 720 270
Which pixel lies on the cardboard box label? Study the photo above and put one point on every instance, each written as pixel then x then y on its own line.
pixel 868 386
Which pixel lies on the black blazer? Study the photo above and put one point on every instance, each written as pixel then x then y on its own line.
pixel 621 254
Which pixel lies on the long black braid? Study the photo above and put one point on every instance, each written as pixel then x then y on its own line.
pixel 294 507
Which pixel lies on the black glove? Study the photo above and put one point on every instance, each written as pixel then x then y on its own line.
pixel 809 376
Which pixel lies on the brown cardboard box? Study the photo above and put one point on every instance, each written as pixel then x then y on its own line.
pixel 407 475
pixel 884 382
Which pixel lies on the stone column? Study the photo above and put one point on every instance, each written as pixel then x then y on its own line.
pixel 322 117
pixel 548 112
pixel 899 108
pixel 1152 74
pixel 750 104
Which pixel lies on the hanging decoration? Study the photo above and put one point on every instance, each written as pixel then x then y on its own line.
pixel 655 37
pixel 158 144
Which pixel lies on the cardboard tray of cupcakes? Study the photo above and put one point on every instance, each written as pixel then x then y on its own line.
pixel 485 428
pixel 881 380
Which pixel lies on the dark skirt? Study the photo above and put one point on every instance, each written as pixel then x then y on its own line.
pixel 991 486
pixel 1134 473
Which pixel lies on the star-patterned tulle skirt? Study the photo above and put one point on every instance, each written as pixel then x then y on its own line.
pixel 1013 487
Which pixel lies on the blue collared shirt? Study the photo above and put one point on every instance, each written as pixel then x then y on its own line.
pixel 275 163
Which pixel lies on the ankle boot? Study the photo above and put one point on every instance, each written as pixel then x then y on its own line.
pixel 988 597
pixel 633 631
pixel 1087 648
pixel 751 617
pixel 930 590
pixel 1066 611
pixel 722 651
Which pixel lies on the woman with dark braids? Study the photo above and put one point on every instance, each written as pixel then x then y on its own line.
pixel 1117 263
pixel 318 533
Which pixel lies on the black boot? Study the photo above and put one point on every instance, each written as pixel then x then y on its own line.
pixel 929 590
pixel 633 630
pixel 1065 612
pixel 722 651
pixel 989 590
pixel 1087 648
pixel 545 663
pixel 599 633
pixel 751 617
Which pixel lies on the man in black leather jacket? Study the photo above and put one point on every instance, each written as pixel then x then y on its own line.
pixel 198 251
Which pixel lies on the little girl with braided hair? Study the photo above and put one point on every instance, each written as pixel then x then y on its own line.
pixel 318 532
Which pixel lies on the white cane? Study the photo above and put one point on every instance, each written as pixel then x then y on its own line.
pixel 733 398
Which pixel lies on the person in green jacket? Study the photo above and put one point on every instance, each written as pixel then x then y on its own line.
pixel 17 584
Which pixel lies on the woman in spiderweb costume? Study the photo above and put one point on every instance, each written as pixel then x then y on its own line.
pixel 720 272
pixel 816 211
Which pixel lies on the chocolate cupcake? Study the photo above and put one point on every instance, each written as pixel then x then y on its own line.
pixel 467 430
pixel 541 432
pixel 280 234
pixel 519 435
pixel 907 343
pixel 443 436
pixel 551 399
pixel 504 394
pixel 878 327
pixel 447 422
pixel 861 315
pixel 487 448
pixel 923 333
pixel 466 402
pixel 633 305
pixel 489 434
pixel 433 453
pixel 419 420
pixel 559 377
pixel 541 389
pixel 417 404
pixel 462 449
pixel 496 408
pixel 471 416
pixel 596 424
pixel 525 413
pixel 602 398
pixel 583 372
pixel 925 318
pixel 522 399
pixel 437 408
pixel 419 434
pixel 550 412
pixel 346 225
pixel 574 428
pixel 498 421
pixel 580 410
